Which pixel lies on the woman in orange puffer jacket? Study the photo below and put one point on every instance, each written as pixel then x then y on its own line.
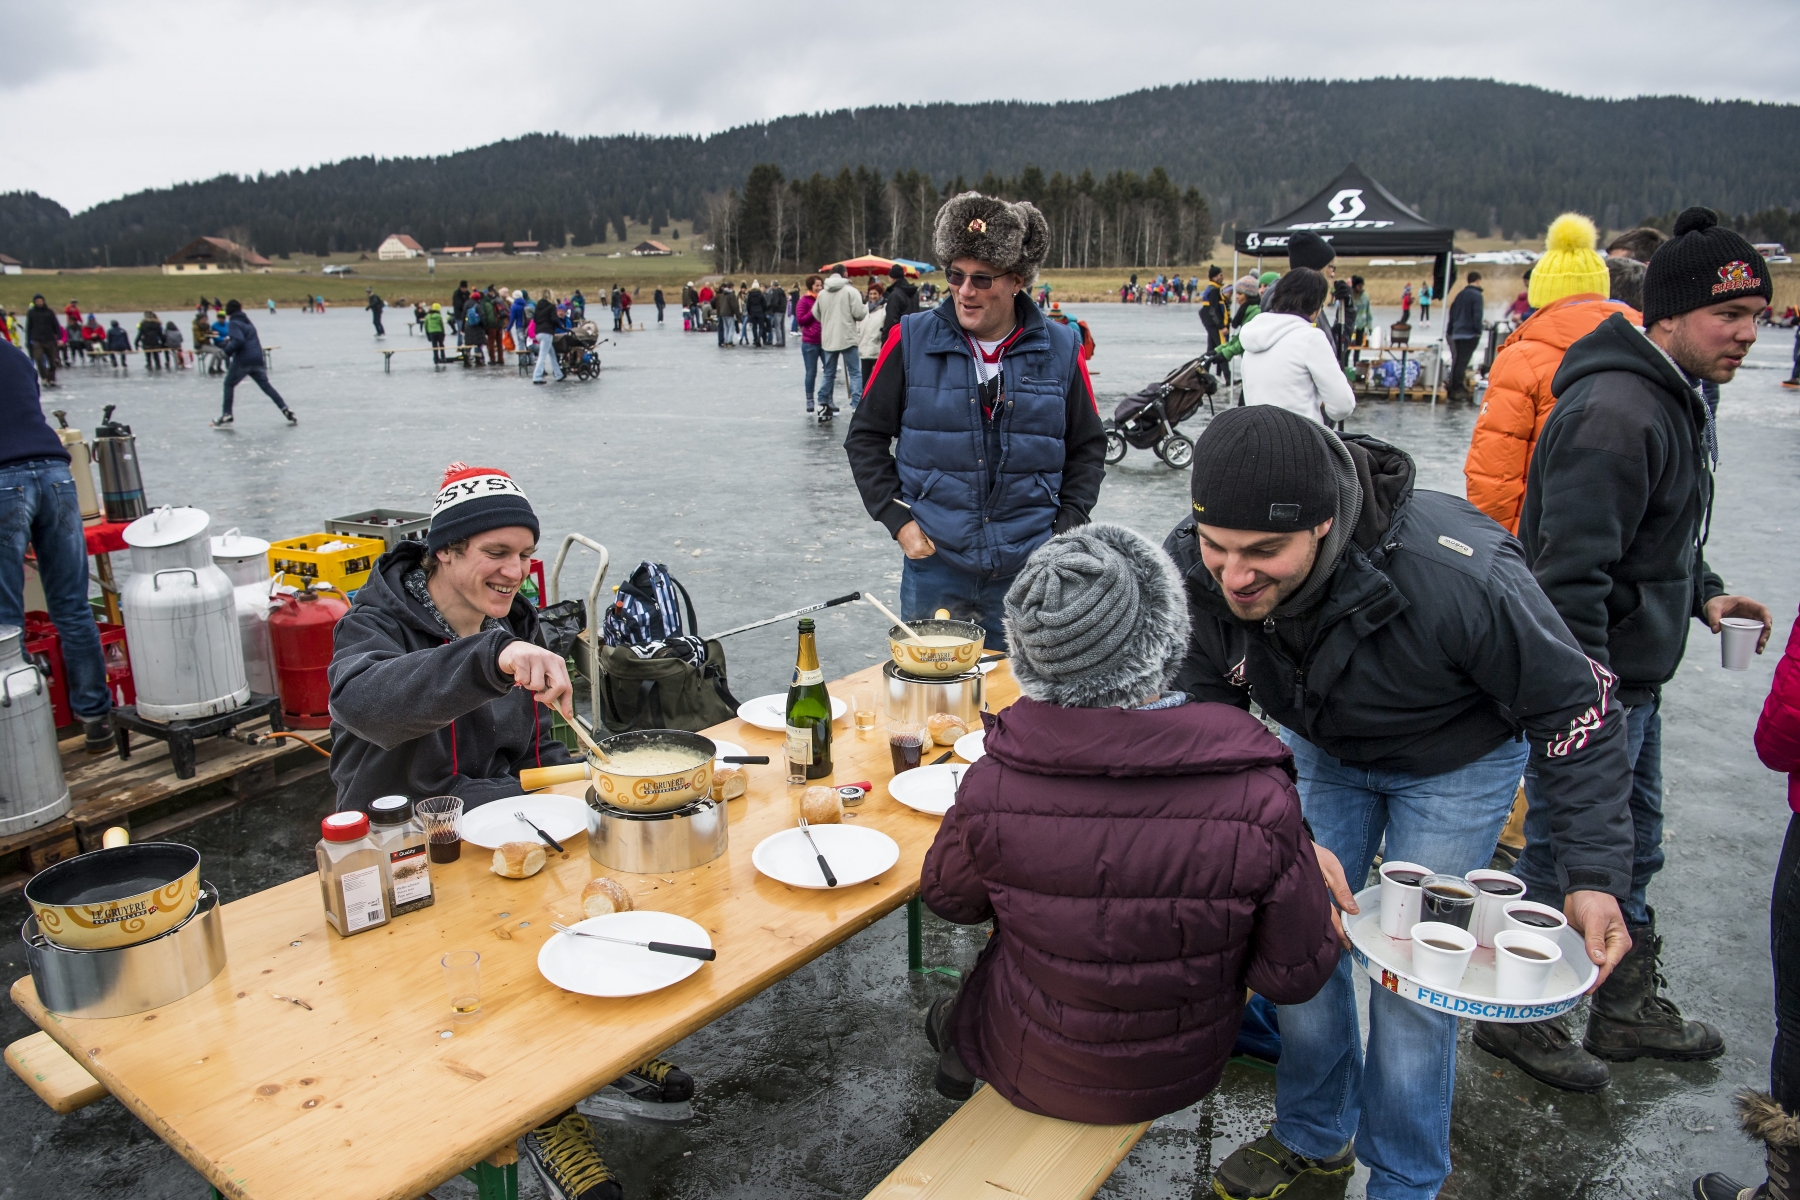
pixel 1569 286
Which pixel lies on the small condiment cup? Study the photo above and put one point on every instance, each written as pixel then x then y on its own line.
pixel 1400 901
pixel 1432 964
pixel 1520 976
pixel 1490 908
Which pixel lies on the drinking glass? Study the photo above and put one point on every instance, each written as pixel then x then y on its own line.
pixel 1448 899
pixel 442 818
pixel 462 976
pixel 906 744
pixel 862 709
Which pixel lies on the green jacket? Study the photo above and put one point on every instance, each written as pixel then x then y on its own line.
pixel 434 322
pixel 1235 347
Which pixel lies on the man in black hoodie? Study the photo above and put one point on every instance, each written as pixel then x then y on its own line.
pixel 1617 503
pixel 902 300
pixel 438 680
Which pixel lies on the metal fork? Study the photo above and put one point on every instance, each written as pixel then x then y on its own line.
pixel 550 841
pixel 830 879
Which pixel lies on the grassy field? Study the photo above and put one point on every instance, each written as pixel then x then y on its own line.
pixel 594 269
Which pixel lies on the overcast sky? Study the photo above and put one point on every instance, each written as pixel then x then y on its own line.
pixel 103 98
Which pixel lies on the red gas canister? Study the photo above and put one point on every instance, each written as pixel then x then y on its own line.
pixel 301 633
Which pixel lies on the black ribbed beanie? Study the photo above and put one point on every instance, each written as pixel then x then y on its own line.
pixel 1263 468
pixel 1702 264
pixel 1308 249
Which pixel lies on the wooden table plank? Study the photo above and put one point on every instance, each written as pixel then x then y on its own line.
pixel 270 1100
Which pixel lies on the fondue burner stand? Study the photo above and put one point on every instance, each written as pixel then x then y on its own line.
pixel 656 843
pixel 181 734
pixel 914 698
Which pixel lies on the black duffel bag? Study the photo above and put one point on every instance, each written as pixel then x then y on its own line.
pixel 662 687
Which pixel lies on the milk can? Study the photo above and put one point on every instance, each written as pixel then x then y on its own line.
pixel 32 789
pixel 245 561
pixel 181 620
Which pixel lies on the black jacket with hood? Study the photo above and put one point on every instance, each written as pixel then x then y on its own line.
pixel 416 714
pixel 1419 644
pixel 1615 503
pixel 902 300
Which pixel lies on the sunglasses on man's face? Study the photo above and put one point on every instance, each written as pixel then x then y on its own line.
pixel 981 282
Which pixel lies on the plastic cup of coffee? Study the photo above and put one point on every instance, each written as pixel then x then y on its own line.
pixel 1400 897
pixel 1449 899
pixel 1522 964
pixel 1528 916
pixel 1496 889
pixel 1440 954
pixel 1737 642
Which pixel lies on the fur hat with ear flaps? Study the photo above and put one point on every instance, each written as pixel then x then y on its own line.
pixel 1009 236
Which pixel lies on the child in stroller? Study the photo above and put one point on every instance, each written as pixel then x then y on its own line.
pixel 575 348
pixel 1148 418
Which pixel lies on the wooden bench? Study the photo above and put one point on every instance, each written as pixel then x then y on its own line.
pixel 993 1151
pixel 387 356
pixel 53 1074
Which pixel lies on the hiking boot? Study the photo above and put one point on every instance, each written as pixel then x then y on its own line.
pixel 656 1082
pixel 564 1155
pixel 1545 1051
pixel 1629 1020
pixel 953 1082
pixel 1265 1168
pixel 222 421
pixel 98 734
pixel 1767 1122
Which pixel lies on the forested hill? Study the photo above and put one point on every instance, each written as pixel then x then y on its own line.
pixel 1469 153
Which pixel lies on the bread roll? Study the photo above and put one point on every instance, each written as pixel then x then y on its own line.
pixel 822 806
pixel 602 896
pixel 519 860
pixel 729 781
pixel 945 728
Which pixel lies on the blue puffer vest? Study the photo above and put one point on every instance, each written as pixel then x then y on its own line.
pixel 942 453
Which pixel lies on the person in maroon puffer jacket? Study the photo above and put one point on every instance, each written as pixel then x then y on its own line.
pixel 1143 858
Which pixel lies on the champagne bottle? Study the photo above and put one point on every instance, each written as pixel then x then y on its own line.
pixel 808 714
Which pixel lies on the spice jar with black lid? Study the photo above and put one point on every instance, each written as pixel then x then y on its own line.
pixel 401 836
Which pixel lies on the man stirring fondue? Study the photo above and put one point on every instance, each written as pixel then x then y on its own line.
pixel 439 679
pixel 999 441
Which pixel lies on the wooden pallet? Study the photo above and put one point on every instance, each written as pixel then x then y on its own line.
pixel 105 791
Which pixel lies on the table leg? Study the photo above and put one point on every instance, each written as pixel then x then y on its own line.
pixel 494 1183
pixel 109 589
pixel 915 916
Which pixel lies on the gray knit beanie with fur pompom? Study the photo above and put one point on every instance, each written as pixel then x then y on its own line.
pixel 1097 618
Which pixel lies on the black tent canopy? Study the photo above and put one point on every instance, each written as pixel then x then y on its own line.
pixel 1358 217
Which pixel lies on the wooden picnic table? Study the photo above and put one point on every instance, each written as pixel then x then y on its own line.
pixel 356 1092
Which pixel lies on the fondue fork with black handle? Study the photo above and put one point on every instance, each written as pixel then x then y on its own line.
pixel 830 879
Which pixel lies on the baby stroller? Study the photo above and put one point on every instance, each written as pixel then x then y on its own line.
pixel 575 349
pixel 1148 419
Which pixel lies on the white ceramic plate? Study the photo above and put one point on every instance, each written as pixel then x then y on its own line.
pixel 986 665
pixel 594 968
pixel 971 746
pixel 929 789
pixel 491 825
pixel 856 855
pixel 770 712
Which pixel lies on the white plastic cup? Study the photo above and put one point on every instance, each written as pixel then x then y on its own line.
pixel 1518 975
pixel 1434 965
pixel 1510 921
pixel 1737 642
pixel 1400 901
pixel 1490 908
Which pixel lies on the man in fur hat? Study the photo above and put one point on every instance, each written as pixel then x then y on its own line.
pixel 1000 444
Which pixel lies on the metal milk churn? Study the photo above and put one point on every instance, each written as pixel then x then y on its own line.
pixel 121 487
pixel 187 660
pixel 245 561
pixel 32 789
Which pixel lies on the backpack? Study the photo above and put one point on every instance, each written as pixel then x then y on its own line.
pixel 656 671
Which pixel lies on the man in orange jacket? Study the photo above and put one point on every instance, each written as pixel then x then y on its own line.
pixel 1569 287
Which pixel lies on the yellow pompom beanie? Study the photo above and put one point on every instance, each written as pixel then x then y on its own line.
pixel 1570 265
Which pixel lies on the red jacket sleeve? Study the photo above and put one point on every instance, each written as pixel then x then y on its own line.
pixel 1778 730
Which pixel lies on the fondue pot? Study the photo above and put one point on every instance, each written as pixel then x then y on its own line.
pixel 957 656
pixel 116 896
pixel 634 790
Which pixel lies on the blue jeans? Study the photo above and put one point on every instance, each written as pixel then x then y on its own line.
pixel 928 584
pixel 546 357
pixel 1395 1100
pixel 257 375
pixel 38 505
pixel 852 375
pixel 809 354
pixel 1643 745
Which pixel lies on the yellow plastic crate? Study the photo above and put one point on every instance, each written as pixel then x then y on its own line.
pixel 299 563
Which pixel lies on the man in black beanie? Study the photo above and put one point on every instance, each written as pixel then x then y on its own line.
pixel 1617 497
pixel 1308 249
pixel 1415 667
